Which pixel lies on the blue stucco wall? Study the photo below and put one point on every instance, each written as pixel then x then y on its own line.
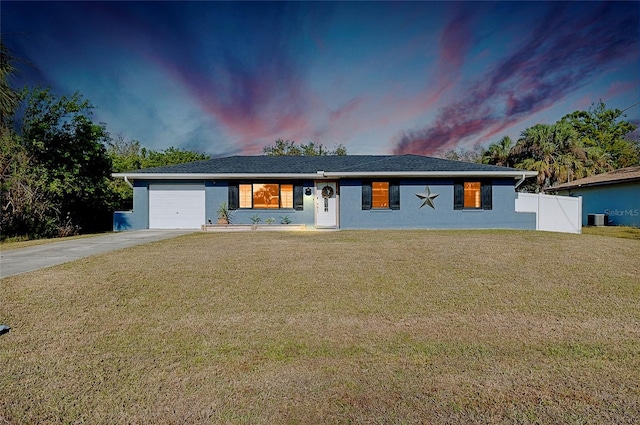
pixel 138 218
pixel 620 201
pixel 215 194
pixel 218 192
pixel 410 215
pixel 351 215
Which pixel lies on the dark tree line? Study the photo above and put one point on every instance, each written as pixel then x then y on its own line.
pixel 55 170
pixel 56 165
pixel 283 147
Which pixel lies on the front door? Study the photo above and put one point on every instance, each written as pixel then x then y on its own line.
pixel 326 204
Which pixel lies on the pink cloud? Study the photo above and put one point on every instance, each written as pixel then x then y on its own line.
pixel 618 88
pixel 347 111
pixel 455 42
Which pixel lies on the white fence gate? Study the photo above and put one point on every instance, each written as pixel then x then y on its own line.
pixel 553 213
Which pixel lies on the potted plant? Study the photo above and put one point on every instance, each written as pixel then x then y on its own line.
pixel 285 220
pixel 224 214
pixel 255 220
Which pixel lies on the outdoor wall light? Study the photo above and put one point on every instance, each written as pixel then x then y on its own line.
pixel 307 191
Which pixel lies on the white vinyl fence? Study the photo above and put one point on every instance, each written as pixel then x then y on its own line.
pixel 553 213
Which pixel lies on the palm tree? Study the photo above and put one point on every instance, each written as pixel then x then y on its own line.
pixel 570 155
pixel 9 97
pixel 499 153
pixel 535 151
pixel 554 151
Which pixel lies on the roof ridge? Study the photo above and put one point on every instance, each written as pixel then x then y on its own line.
pixel 379 158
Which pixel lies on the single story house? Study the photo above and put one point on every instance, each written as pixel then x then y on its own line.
pixel 615 194
pixel 328 192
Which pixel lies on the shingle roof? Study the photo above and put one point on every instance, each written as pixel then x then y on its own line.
pixel 331 164
pixel 621 175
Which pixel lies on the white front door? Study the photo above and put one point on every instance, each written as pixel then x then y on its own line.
pixel 326 204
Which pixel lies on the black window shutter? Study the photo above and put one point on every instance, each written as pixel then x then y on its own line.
pixel 298 198
pixel 458 195
pixel 394 195
pixel 486 195
pixel 366 195
pixel 233 196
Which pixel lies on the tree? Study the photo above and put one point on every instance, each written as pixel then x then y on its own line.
pixel 466 155
pixel 25 208
pixel 290 148
pixel 598 160
pixel 553 150
pixel 570 154
pixel 534 152
pixel 128 155
pixel 498 153
pixel 170 156
pixel 9 97
pixel 125 154
pixel 582 143
pixel 600 128
pixel 65 150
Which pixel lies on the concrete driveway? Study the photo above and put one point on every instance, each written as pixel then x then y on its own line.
pixel 23 260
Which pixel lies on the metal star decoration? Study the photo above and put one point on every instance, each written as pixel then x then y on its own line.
pixel 427 197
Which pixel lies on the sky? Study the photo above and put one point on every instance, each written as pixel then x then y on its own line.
pixel 228 78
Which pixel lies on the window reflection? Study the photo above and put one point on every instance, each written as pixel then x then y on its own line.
pixel 265 195
pixel 472 194
pixel 286 196
pixel 246 195
pixel 380 194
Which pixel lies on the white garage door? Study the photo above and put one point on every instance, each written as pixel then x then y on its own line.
pixel 176 206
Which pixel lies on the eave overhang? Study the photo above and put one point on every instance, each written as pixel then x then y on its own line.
pixel 213 176
pixel 325 175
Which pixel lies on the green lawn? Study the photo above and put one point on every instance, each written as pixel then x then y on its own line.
pixel 613 231
pixel 337 327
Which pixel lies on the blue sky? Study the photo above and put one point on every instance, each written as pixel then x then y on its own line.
pixel 378 77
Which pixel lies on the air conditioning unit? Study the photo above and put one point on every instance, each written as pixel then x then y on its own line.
pixel 597 219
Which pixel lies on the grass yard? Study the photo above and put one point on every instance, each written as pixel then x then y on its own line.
pixel 613 231
pixel 377 327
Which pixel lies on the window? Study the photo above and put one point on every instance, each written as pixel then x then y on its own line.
pixel 265 196
pixel 380 195
pixel 246 196
pixel 472 195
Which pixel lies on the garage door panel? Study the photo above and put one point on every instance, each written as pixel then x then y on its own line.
pixel 176 206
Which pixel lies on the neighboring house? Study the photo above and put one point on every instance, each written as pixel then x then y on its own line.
pixel 328 192
pixel 615 194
